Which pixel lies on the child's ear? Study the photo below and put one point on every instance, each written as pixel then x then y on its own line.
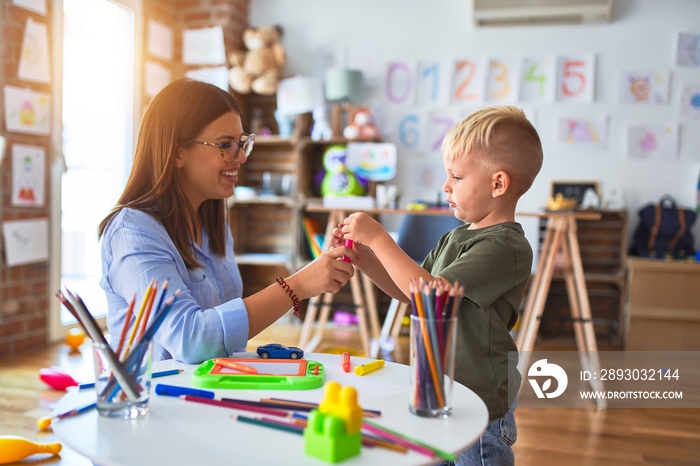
pixel 500 183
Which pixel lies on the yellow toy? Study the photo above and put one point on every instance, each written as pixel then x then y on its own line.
pixel 14 448
pixel 342 402
pixel 258 69
pixel 75 338
pixel 333 432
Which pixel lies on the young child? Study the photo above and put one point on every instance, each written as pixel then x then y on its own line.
pixel 491 158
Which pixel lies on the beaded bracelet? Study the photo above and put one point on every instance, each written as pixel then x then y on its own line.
pixel 290 292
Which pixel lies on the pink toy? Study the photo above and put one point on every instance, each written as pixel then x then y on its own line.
pixel 56 379
pixel 344 318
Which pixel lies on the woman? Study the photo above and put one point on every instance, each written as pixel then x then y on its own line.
pixel 170 224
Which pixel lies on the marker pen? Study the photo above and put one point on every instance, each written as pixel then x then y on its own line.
pixel 369 367
pixel 173 390
pixel 346 361
pixel 348 244
pixel 235 365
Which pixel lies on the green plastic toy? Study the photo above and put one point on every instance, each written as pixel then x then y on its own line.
pixel 272 374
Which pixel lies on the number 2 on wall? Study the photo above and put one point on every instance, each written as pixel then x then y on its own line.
pixel 465 72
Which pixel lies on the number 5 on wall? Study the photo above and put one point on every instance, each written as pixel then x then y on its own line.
pixel 576 78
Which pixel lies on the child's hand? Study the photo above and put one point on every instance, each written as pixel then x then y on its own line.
pixel 359 255
pixel 361 228
pixel 336 237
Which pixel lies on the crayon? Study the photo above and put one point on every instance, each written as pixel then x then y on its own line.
pixel 369 367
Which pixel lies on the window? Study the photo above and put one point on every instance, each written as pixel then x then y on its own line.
pixel 98 97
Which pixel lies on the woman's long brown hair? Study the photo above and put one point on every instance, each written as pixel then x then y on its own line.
pixel 175 116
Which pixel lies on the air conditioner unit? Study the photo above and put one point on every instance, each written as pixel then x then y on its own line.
pixel 532 12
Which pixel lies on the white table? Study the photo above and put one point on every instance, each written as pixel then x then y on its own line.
pixel 177 432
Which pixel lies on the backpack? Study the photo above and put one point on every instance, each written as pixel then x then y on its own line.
pixel 664 231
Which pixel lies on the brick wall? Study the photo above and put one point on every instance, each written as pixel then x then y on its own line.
pixel 24 292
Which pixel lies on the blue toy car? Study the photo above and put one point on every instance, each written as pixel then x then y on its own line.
pixel 277 351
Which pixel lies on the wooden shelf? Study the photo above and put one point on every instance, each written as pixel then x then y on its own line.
pixel 662 312
pixel 264 259
pixel 267 230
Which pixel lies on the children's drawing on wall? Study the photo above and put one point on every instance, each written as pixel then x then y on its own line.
pixel 439 122
pixel 26 241
pixel 400 83
pixel 34 59
pixel 433 82
pixel 37 6
pixel 576 78
pixel 502 84
pixel 583 133
pixel 538 80
pixel 372 160
pixel 26 111
pixel 643 87
pixel 690 101
pixel 407 128
pixel 652 141
pixel 27 175
pixel 688 49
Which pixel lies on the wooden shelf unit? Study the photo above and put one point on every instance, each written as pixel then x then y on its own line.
pixel 268 230
pixel 603 245
pixel 662 312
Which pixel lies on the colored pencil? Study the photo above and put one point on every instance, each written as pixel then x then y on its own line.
pixel 429 350
pixel 260 422
pixel 436 304
pixel 147 312
pixel 75 411
pixel 398 439
pixel 125 327
pixel 231 405
pixel 410 443
pixel 96 335
pixel 139 315
pixel 305 404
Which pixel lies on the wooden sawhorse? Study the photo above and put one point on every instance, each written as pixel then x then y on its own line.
pixel 560 237
pixel 365 305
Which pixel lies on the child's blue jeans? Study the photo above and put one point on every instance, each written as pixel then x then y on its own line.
pixel 494 446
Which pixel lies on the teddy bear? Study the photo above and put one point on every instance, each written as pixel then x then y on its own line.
pixel 259 67
pixel 362 126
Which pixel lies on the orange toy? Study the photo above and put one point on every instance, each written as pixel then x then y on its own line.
pixel 14 448
pixel 75 338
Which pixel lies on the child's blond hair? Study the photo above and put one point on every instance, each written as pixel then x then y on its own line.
pixel 500 138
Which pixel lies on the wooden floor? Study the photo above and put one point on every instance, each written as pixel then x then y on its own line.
pixel 620 437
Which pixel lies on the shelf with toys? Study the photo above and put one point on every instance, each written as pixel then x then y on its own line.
pixel 266 213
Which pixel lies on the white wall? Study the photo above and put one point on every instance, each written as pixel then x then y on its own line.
pixel 642 35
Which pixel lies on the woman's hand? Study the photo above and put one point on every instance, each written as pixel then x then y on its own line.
pixel 325 274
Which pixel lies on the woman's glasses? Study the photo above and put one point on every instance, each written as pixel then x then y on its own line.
pixel 230 149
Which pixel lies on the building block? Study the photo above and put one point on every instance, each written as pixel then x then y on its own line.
pixel 342 402
pixel 326 438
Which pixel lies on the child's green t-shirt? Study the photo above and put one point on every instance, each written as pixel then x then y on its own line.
pixel 493 264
